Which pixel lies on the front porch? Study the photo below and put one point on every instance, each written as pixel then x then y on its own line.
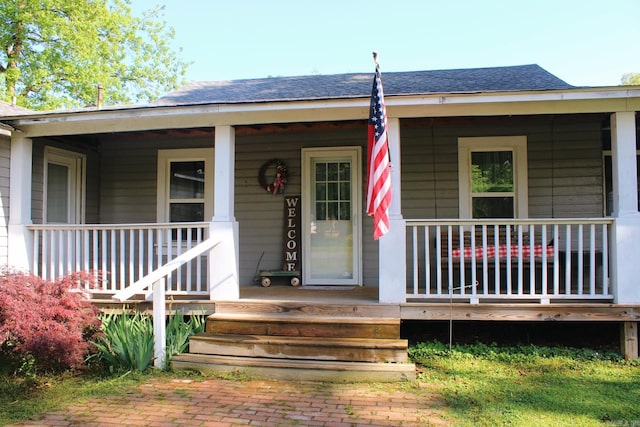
pixel 513 270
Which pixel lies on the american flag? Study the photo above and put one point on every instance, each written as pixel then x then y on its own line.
pixel 378 173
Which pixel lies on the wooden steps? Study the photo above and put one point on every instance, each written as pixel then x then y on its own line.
pixel 301 341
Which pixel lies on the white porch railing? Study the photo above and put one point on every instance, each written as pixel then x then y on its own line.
pixel 529 259
pixel 120 255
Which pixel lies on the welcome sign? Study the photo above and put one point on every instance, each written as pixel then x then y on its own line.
pixel 291 233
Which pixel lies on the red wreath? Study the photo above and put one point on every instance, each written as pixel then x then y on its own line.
pixel 277 186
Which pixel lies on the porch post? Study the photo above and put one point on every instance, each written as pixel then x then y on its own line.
pixel 20 239
pixel 223 265
pixel 625 243
pixel 392 263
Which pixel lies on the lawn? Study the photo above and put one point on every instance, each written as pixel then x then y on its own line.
pixel 480 385
pixel 525 386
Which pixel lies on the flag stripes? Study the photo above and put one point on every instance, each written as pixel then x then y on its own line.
pixel 378 172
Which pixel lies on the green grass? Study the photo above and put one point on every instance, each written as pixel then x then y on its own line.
pixel 524 386
pixel 481 386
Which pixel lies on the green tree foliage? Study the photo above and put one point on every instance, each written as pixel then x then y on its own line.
pixel 631 79
pixel 56 52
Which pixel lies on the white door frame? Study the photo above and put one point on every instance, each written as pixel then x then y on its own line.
pixel 353 154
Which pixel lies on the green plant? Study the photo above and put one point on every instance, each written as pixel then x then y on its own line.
pixel 178 332
pixel 126 342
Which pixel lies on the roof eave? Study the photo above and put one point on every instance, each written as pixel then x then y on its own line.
pixel 574 100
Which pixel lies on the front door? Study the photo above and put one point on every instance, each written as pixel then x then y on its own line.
pixel 331 193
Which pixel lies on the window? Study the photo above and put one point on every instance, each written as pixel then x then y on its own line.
pixel 185 185
pixel 493 177
pixel 64 173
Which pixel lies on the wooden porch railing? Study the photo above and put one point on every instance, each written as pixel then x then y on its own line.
pixel 542 260
pixel 120 255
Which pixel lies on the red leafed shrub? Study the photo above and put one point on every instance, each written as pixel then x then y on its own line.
pixel 45 322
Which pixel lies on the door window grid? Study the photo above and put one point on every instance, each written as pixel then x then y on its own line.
pixel 333 191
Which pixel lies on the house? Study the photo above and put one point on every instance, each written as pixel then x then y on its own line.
pixel 515 194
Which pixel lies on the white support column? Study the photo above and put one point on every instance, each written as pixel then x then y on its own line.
pixel 159 324
pixel 625 239
pixel 224 260
pixel 392 264
pixel 20 239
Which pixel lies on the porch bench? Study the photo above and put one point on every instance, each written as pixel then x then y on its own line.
pixel 471 249
pixel 497 268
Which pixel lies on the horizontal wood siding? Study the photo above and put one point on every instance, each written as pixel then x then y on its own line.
pixel 129 176
pixel 564 161
pixel 5 155
pixel 260 213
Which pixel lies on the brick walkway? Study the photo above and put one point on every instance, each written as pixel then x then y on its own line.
pixel 220 402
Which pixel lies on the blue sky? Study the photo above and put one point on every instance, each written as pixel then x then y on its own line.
pixel 584 42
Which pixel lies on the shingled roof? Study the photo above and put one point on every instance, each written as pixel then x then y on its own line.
pixel 355 85
pixel 7 109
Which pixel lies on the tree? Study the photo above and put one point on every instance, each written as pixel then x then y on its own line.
pixel 631 79
pixel 55 53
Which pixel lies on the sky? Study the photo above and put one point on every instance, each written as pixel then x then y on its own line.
pixel 583 42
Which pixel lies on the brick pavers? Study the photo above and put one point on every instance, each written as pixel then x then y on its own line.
pixel 214 402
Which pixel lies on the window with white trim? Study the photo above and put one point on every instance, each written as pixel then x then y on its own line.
pixel 493 177
pixel 185 185
pixel 64 186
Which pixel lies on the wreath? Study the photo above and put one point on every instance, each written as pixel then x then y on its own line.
pixel 280 179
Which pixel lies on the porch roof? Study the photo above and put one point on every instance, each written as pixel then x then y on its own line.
pixel 356 85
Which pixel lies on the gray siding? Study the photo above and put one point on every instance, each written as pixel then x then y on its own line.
pixel 129 176
pixel 564 164
pixel 5 156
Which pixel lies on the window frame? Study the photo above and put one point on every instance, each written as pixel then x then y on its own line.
pixel 518 146
pixel 76 181
pixel 165 158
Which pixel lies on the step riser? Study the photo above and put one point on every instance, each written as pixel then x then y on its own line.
pixel 306 309
pixel 329 372
pixel 303 329
pixel 295 350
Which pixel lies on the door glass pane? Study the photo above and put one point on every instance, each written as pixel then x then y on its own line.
pixel 491 171
pixel 187 180
pixel 492 207
pixel 331 256
pixel 57 193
